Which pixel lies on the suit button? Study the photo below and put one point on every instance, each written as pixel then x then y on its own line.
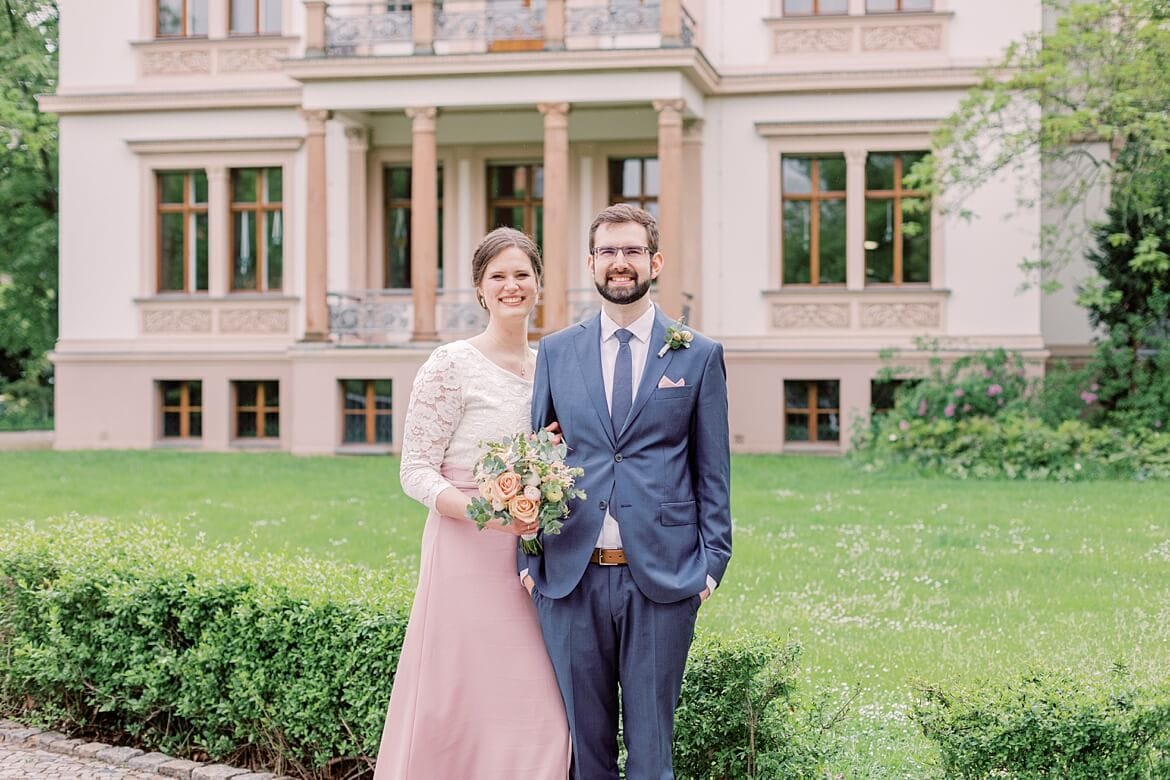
pixel 617 458
pixel 602 505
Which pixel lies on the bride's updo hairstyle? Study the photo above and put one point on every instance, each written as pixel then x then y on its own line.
pixel 497 241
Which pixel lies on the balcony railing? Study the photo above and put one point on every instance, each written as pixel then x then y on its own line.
pixel 387 316
pixel 368 29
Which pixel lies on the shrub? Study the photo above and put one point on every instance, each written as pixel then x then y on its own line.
pixel 739 715
pixel 1049 726
pixel 133 633
pixel 1016 447
pixel 982 384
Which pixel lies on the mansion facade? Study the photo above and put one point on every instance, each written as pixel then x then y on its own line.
pixel 268 207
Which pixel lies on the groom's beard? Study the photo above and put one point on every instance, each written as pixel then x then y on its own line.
pixel 634 293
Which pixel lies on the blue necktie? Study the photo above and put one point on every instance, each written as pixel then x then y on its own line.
pixel 623 382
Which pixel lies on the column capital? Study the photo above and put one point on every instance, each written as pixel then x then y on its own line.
pixel 216 173
pixel 423 118
pixel 856 156
pixel 358 138
pixel 666 108
pixel 315 118
pixel 553 108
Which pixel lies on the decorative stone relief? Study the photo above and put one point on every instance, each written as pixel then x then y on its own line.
pixel 909 37
pixel 828 39
pixel 176 321
pixel 240 60
pixel 176 63
pixel 901 315
pixel 810 315
pixel 253 321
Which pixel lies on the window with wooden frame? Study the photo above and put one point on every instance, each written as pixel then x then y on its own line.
pixel 254 17
pixel 634 180
pixel 256 409
pixel 813 233
pixel 516 198
pixel 898 6
pixel 181 409
pixel 180 18
pixel 396 182
pixel 897 243
pixel 815 7
pixel 182 231
pixel 883 393
pixel 366 411
pixel 257 229
pixel 812 410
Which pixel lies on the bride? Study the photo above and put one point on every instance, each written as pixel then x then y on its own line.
pixel 474 695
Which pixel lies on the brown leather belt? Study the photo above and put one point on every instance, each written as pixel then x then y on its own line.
pixel 605 557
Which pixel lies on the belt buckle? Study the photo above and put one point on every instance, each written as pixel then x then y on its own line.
pixel 600 553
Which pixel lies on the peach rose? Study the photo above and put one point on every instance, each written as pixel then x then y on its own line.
pixel 523 509
pixel 508 485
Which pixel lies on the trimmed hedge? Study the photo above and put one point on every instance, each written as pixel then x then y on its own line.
pixel 1015 447
pixel 1049 726
pixel 131 633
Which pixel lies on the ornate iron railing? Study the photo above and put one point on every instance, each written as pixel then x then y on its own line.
pixel 491 22
pixel 366 29
pixel 606 20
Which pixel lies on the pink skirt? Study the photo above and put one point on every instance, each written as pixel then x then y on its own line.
pixel 474 695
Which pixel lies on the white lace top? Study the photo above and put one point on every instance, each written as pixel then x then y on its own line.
pixel 459 399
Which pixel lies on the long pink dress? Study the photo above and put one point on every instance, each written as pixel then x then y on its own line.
pixel 474 696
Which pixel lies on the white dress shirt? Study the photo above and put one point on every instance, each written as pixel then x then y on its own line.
pixel 611 536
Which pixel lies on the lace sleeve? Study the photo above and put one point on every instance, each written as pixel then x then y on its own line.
pixel 436 405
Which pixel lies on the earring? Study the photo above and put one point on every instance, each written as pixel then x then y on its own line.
pixel 479 297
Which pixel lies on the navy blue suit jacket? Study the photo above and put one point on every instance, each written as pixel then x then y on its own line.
pixel 667 473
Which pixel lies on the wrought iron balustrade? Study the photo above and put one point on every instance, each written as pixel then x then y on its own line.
pixel 368 29
pixel 488 22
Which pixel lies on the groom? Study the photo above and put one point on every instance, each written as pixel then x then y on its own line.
pixel 642 405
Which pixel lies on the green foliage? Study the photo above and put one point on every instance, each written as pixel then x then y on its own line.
pixel 28 192
pixel 1016 447
pixel 124 630
pixel 739 715
pixel 984 383
pixel 1049 726
pixel 1097 73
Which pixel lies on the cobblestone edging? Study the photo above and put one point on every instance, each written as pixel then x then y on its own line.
pixel 16 735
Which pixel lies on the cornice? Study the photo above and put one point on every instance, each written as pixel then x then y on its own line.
pixel 197 145
pixel 848 127
pixel 689 60
pixel 962 77
pixel 169 100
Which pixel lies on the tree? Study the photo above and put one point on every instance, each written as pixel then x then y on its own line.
pixel 1096 78
pixel 28 193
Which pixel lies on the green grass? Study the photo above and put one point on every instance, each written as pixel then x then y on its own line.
pixel 885 578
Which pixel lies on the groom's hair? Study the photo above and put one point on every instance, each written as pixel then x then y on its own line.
pixel 622 213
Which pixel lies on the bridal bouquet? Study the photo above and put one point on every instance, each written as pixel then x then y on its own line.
pixel 521 479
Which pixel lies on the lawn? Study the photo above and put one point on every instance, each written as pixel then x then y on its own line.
pixel 884 578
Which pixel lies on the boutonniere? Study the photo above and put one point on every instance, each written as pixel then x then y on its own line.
pixel 677 336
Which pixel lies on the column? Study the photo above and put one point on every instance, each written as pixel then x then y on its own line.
pixel 670 211
pixel 316 247
pixel 692 214
pixel 554 25
pixel 422 19
pixel 670 22
pixel 855 219
pixel 218 224
pixel 217 20
pixel 556 215
pixel 314 27
pixel 424 222
pixel 357 143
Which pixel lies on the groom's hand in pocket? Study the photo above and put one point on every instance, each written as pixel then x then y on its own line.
pixel 528 583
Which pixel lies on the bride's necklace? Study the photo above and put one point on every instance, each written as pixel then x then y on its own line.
pixel 509 360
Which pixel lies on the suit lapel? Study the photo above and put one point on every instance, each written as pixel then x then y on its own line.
pixel 654 369
pixel 587 343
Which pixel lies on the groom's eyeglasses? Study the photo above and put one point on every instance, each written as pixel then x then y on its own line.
pixel 629 252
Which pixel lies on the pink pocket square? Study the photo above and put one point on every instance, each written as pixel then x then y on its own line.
pixel 668 382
